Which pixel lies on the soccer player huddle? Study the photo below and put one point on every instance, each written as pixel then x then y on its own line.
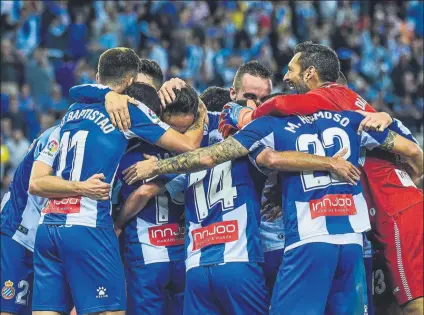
pixel 150 199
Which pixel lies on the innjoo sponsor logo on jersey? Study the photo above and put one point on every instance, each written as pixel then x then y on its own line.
pixel 332 205
pixel 63 205
pixel 216 233
pixel 166 235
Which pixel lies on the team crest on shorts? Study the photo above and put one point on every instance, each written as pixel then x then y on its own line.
pixel 8 291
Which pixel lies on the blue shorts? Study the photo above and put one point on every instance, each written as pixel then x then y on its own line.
pixel 77 265
pixel 231 288
pixel 320 278
pixel 16 277
pixel 156 288
pixel 271 265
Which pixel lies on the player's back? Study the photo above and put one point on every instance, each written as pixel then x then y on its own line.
pixel 316 203
pixel 157 226
pixel 89 145
pixel 20 211
pixel 390 185
pixel 223 214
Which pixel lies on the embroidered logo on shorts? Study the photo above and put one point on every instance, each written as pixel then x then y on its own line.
pixel 101 293
pixel 8 291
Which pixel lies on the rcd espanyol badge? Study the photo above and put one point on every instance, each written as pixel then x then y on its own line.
pixel 8 291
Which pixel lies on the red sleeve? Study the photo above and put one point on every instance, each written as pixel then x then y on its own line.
pixel 334 98
pixel 296 104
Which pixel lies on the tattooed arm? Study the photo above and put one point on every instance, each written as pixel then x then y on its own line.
pixel 193 161
pixel 227 150
pixel 413 154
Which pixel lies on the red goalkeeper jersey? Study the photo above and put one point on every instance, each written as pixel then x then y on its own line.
pixel 390 186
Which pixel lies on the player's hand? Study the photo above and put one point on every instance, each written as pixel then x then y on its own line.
pixel 374 121
pixel 140 170
pixel 94 188
pixel 166 92
pixel 345 170
pixel 117 108
pixel 228 120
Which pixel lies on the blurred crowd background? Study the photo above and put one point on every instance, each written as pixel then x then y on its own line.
pixel 49 46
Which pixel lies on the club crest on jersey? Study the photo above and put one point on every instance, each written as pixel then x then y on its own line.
pixel 52 147
pixel 8 291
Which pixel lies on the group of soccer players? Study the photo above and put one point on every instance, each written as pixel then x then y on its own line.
pixel 230 211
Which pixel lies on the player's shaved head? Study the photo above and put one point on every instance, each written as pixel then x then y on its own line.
pixel 118 66
pixel 252 81
pixel 146 94
pixel 215 98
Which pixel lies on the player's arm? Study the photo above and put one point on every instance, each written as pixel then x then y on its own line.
pixel 411 151
pixel 116 104
pixel 200 159
pixel 136 203
pixel 205 158
pixel 43 183
pixel 292 161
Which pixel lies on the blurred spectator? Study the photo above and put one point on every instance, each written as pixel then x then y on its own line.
pixel 65 74
pixel 56 102
pixel 11 64
pixel 17 117
pixel 39 75
pixel 49 46
pixel 78 36
pixel 26 102
pixel 18 146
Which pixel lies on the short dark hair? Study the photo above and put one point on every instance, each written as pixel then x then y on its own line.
pixel 116 64
pixel 147 95
pixel 254 68
pixel 152 69
pixel 186 102
pixel 215 98
pixel 322 57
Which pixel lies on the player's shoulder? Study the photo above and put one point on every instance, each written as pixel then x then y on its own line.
pixel 142 111
pixel 51 136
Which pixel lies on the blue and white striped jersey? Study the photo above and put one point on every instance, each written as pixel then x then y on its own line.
pixel 315 203
pixel 222 210
pixel 154 235
pixel 89 145
pixel 20 211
